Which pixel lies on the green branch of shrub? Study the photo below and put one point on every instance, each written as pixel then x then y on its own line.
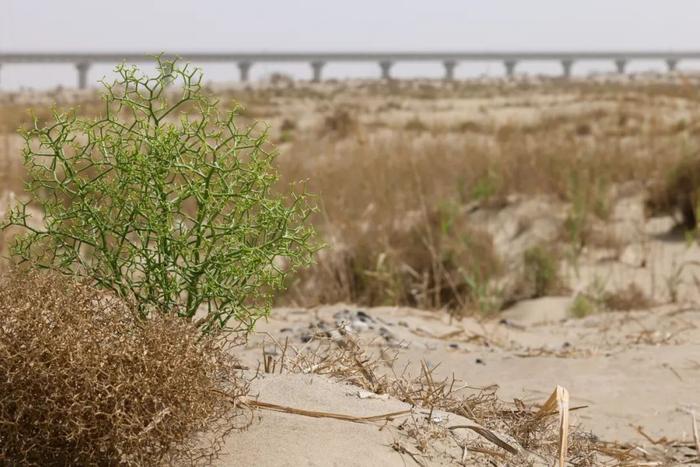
pixel 164 200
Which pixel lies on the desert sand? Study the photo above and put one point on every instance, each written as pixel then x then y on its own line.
pixel 635 374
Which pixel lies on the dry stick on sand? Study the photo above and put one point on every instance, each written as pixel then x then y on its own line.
pixel 559 400
pixel 317 414
pixel 696 437
pixel 489 435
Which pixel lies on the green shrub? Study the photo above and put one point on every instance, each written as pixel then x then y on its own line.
pixel 541 271
pixel 589 195
pixel 582 306
pixel 164 200
pixel 486 186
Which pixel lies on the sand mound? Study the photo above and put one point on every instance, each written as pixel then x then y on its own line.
pixel 279 439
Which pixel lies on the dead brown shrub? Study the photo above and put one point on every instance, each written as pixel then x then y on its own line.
pixel 415 124
pixel 340 123
pixel 630 298
pixel 83 381
pixel 679 193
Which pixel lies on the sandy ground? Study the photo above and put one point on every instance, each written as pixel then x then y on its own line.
pixel 631 371
pixel 635 372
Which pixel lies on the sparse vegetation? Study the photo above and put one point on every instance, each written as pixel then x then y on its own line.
pixel 374 181
pixel 679 193
pixel 465 197
pixel 582 306
pixel 631 297
pixel 541 271
pixel 432 260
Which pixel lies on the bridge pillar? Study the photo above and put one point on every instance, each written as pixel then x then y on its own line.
pixel 385 65
pixel 671 63
pixel 244 68
pixel 450 66
pixel 566 67
pixel 621 64
pixel 510 67
pixel 317 67
pixel 82 68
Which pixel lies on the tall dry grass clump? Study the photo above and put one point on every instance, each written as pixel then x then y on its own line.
pixel 399 167
pixel 396 230
pixel 678 193
pixel 84 381
pixel 396 203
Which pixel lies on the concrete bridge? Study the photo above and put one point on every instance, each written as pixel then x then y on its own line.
pixel 385 60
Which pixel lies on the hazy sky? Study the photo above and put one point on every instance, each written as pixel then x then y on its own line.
pixel 208 25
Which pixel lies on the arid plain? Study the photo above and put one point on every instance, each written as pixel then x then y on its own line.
pixel 484 242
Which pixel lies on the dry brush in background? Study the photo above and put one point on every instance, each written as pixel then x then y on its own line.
pixel 398 198
pixel 399 169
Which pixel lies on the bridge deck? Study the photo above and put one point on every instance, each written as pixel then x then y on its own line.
pixel 245 60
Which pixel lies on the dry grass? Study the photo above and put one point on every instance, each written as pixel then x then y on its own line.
pixel 345 359
pixel 399 166
pixel 396 198
pixel 678 193
pixel 631 297
pixel 395 205
pixel 516 433
pixel 83 381
pixel 507 433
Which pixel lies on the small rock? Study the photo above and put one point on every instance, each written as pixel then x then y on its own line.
pixel 439 419
pixel 362 394
pixel 633 255
pixel 305 338
pixel 358 321
pixel 364 317
pixel 359 325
